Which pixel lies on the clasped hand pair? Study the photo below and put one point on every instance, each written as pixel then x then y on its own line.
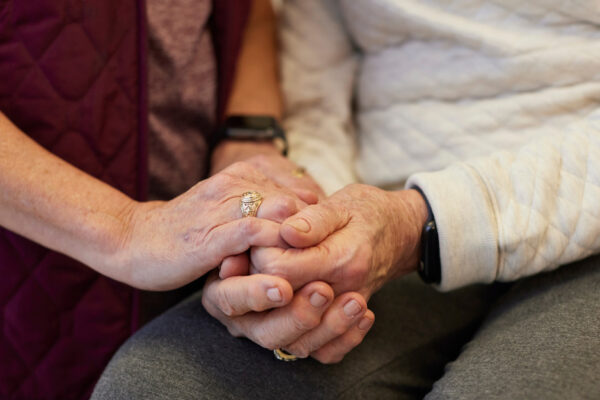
pixel 299 275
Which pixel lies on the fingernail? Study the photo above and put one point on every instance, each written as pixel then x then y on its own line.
pixel 300 224
pixel 274 294
pixel 317 299
pixel 352 308
pixel 364 324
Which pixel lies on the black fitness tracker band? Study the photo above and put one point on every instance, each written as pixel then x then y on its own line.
pixel 254 128
pixel 430 268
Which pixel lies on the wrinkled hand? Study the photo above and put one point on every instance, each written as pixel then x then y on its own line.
pixel 169 244
pixel 355 240
pixel 267 159
pixel 310 322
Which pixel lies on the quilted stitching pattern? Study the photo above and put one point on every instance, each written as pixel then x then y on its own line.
pixel 442 81
pixel 69 79
pixel 546 201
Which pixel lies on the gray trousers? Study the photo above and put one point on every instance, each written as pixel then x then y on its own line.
pixel 538 338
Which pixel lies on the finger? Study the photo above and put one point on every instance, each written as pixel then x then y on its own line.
pixel 297 266
pixel 313 224
pixel 239 235
pixel 239 295
pixel 284 325
pixel 279 207
pixel 345 312
pixel 335 350
pixel 306 195
pixel 234 266
pixel 276 205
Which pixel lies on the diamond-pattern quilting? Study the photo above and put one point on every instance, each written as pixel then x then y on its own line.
pixel 64 55
pixel 73 146
pixel 11 277
pixel 110 111
pixel 64 280
pixel 31 322
pixel 38 23
pixel 14 62
pixel 36 93
pixel 91 314
pixel 124 178
pixel 107 38
pixel 69 79
pixel 16 373
pixel 29 253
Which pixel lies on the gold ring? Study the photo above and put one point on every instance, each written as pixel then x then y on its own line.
pixel 249 203
pixel 283 355
pixel 299 172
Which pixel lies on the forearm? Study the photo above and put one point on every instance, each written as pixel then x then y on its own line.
pixel 255 88
pixel 256 85
pixel 57 205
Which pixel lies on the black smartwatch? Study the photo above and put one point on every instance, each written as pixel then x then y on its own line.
pixel 254 128
pixel 430 267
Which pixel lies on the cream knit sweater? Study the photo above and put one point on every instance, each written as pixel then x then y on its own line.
pixel 492 108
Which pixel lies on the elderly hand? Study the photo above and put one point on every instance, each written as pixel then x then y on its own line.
pixel 355 240
pixel 310 322
pixel 267 159
pixel 169 244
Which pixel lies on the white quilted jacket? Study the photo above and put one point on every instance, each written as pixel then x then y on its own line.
pixel 490 107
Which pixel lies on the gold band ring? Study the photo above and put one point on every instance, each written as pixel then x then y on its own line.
pixel 299 172
pixel 249 203
pixel 283 355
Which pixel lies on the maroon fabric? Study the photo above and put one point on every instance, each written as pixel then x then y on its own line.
pixel 69 77
pixel 73 77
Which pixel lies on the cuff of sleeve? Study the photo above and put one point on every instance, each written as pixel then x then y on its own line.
pixel 466 224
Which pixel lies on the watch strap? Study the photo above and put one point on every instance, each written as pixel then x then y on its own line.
pixel 252 128
pixel 430 268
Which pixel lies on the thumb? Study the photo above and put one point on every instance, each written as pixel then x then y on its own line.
pixel 311 225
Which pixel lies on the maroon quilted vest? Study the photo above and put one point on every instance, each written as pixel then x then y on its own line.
pixel 72 76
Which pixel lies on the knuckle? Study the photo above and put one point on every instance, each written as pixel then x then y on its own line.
pixel 222 180
pixel 235 331
pixel 223 303
pixel 272 266
pixel 208 305
pixel 249 227
pixel 352 341
pixel 284 207
pixel 299 350
pixel 338 329
pixel 259 160
pixel 266 340
pixel 303 320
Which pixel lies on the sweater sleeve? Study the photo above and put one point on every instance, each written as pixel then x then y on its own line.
pixel 318 67
pixel 515 214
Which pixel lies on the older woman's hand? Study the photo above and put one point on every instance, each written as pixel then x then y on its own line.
pixel 169 244
pixel 268 160
pixel 310 322
pixel 355 240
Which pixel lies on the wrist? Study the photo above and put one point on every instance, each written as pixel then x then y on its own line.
pixel 228 152
pixel 117 255
pixel 411 210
